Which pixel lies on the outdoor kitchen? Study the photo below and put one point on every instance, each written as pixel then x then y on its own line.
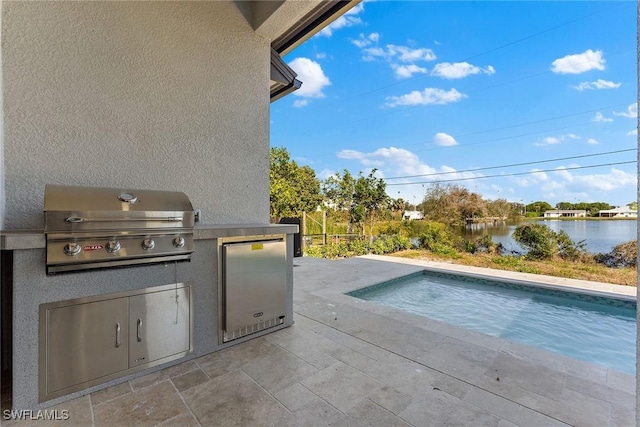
pixel 134 186
pixel 121 281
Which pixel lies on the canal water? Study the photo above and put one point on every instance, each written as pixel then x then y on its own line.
pixel 599 236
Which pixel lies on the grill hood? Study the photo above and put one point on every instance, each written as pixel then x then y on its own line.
pixel 95 227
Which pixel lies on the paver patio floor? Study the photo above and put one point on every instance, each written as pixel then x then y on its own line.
pixel 348 362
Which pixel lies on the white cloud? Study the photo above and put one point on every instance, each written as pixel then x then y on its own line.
pixel 312 77
pixel 563 181
pixel 321 55
pixel 550 140
pixel 325 173
pixel 350 154
pixel 393 52
pixel 553 140
pixel 407 71
pixel 600 118
pixel 444 140
pixel 398 160
pixel 612 180
pixel 593 141
pixel 458 70
pixel 364 41
pixel 371 53
pixel 632 112
pixel 598 84
pixel 299 103
pixel 407 54
pixel 403 60
pixel 633 132
pixel 393 161
pixel 349 19
pixel 579 63
pixel 427 96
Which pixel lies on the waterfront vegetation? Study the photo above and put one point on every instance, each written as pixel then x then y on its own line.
pixel 552 255
pixel 358 209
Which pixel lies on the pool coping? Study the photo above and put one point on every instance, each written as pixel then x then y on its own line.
pixel 628 293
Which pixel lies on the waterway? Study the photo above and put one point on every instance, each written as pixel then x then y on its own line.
pixel 600 236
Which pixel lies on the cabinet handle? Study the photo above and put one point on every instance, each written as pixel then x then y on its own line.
pixel 117 335
pixel 139 330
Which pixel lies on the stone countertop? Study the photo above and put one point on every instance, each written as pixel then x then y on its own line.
pixel 35 239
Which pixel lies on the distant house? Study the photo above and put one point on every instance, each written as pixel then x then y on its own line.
pixel 619 212
pixel 562 213
pixel 410 215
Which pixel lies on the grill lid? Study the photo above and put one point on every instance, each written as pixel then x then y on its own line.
pixel 94 227
pixel 73 209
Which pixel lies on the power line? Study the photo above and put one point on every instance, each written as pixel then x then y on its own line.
pixel 512 174
pixel 548 119
pixel 513 164
pixel 539 121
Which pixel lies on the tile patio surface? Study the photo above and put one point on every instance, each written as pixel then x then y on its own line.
pixel 348 362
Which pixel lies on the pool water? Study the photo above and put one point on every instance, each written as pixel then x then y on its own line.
pixel 591 328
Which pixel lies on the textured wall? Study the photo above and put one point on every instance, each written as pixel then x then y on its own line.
pixel 148 95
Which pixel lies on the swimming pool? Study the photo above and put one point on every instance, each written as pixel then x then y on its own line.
pixel 595 329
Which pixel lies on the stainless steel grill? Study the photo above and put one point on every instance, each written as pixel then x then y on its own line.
pixel 92 227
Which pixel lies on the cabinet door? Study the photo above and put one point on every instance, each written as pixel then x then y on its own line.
pixel 85 342
pixel 160 325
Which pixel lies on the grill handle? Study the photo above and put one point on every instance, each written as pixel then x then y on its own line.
pixel 77 219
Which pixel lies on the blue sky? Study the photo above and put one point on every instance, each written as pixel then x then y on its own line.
pixel 456 92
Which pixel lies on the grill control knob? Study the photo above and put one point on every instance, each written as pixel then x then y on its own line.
pixel 178 242
pixel 72 249
pixel 112 246
pixel 148 244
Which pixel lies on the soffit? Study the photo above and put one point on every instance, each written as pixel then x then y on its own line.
pixel 287 24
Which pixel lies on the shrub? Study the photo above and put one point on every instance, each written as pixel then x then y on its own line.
pixel 538 239
pixel 486 244
pixel 442 249
pixel 567 248
pixel 381 245
pixel 436 233
pixel 389 228
pixel 544 243
pixel 623 255
pixel 470 246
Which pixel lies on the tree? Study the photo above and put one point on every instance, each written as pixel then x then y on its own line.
pixel 338 190
pixel 397 207
pixel 539 207
pixel 452 204
pixel 293 189
pixel 500 208
pixel 368 198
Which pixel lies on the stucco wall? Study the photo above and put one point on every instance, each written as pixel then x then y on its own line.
pixel 151 95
